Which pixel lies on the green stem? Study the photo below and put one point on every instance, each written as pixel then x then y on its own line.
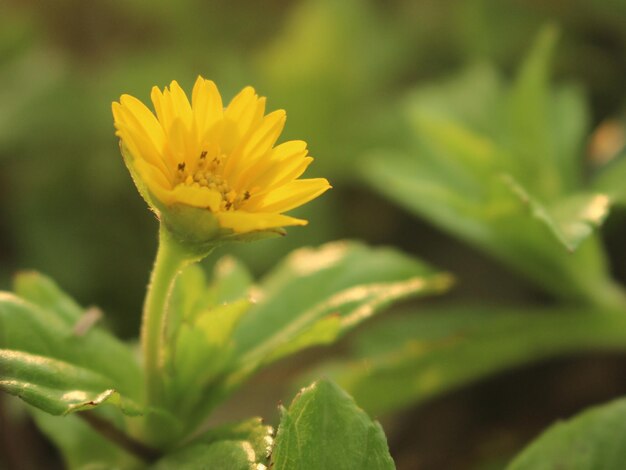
pixel 170 260
pixel 126 442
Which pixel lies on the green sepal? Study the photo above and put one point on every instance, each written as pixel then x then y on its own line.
pixel 198 230
pixel 192 227
pixel 139 184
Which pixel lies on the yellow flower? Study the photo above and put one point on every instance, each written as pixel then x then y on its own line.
pixel 218 160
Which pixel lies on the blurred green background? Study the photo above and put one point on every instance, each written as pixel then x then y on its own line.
pixel 341 69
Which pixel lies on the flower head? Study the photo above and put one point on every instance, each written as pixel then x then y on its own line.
pixel 214 168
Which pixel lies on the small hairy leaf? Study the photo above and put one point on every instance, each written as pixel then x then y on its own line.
pixel 202 349
pixel 324 428
pixel 591 440
pixel 193 293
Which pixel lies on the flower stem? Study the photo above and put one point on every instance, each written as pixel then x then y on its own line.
pixel 170 260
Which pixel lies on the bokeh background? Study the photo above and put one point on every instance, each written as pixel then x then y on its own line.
pixel 341 69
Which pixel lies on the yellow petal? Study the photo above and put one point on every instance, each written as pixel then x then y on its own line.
pixel 279 155
pixel 180 103
pixel 206 105
pixel 197 196
pixel 241 167
pixel 142 125
pixel 265 136
pixel 141 147
pixel 163 108
pixel 283 164
pixel 154 181
pixel 242 222
pixel 287 172
pixel 144 119
pixel 292 195
pixel 182 144
pixel 244 112
pixel 241 104
pixel 152 176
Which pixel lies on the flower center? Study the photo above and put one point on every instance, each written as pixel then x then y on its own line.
pixel 208 174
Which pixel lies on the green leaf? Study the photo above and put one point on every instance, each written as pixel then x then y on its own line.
pixel 311 298
pixel 81 446
pixel 58 387
pixel 202 349
pixel 324 331
pixel 462 147
pixel 42 291
pixel 205 339
pixel 424 190
pixel 55 358
pixel 500 224
pixel 530 119
pixel 569 127
pixel 188 296
pixel 324 428
pixel 246 445
pixel 470 132
pixel 259 435
pixel 202 319
pixel 571 219
pixel 610 179
pixel 546 124
pixel 227 455
pixel 231 281
pixel 316 295
pixel 409 359
pixel 191 295
pixel 451 101
pixel 591 440
pixel 47 322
